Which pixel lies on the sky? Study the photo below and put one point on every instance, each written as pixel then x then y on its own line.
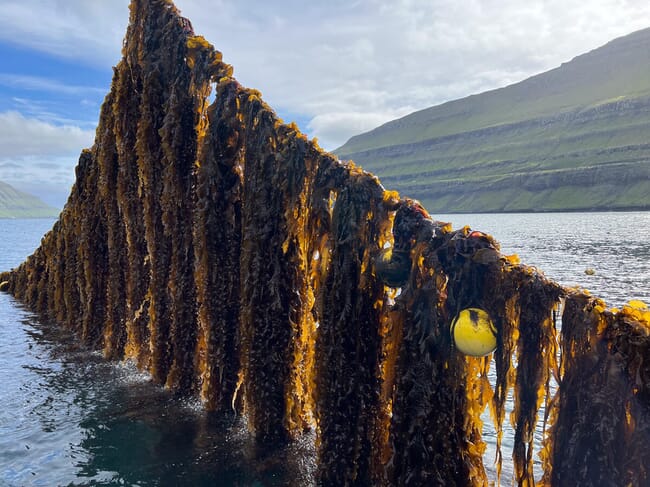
pixel 337 67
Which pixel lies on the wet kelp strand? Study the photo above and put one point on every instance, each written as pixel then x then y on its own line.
pixel 601 414
pixel 349 343
pixel 233 259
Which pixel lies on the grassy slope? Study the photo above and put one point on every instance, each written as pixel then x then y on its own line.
pixel 16 204
pixel 589 113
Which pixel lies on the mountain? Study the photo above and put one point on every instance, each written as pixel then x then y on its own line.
pixel 16 204
pixel 573 138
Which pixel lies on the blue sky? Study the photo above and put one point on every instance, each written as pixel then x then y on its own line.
pixel 337 68
pixel 48 112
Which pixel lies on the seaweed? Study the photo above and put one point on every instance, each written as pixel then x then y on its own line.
pixel 217 248
pixel 232 258
pixel 434 436
pixel 348 346
pixel 274 271
pixel 601 431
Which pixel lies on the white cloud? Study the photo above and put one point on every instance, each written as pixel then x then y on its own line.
pixel 24 137
pixel 345 64
pixel 91 31
pixel 336 126
pixel 39 157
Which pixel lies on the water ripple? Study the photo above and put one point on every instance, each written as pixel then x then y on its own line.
pixel 67 417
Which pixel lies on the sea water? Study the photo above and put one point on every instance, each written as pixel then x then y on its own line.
pixel 68 417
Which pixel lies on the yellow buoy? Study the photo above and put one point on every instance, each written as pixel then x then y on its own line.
pixel 473 332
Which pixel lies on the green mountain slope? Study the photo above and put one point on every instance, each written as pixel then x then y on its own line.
pixel 574 138
pixel 16 204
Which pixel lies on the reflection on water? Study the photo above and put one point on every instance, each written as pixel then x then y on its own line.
pixel 615 245
pixel 67 417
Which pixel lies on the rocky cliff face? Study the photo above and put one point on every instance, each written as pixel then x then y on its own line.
pixel 576 136
pixel 591 159
pixel 234 260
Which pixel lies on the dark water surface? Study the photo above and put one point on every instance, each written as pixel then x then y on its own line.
pixel 67 417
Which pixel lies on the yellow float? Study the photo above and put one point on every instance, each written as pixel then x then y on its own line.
pixel 474 333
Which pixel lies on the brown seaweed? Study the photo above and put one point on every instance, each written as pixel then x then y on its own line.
pixel 217 249
pixel 435 439
pixel 349 341
pixel 601 431
pixel 233 259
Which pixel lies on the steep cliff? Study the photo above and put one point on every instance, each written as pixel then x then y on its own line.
pixel 574 138
pixel 234 260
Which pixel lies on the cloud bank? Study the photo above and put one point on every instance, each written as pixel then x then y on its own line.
pixel 338 68
pixel 351 65
pixel 23 137
pixel 346 65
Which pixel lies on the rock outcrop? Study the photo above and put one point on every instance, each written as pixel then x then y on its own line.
pixel 575 136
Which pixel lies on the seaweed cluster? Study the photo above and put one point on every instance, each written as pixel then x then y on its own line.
pixel 601 413
pixel 235 260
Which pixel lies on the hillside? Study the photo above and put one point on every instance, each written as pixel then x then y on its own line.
pixel 573 138
pixel 16 204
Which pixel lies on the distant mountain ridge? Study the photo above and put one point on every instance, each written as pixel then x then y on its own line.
pixel 18 204
pixel 573 138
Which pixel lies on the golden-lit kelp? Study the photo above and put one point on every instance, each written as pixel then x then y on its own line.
pixel 278 171
pixel 91 253
pixel 475 271
pixel 217 242
pixel 233 259
pixel 305 239
pixel 520 302
pixel 462 273
pixel 601 433
pixel 434 436
pixel 536 362
pixel 348 345
pixel 168 89
pixel 106 156
pixel 127 109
